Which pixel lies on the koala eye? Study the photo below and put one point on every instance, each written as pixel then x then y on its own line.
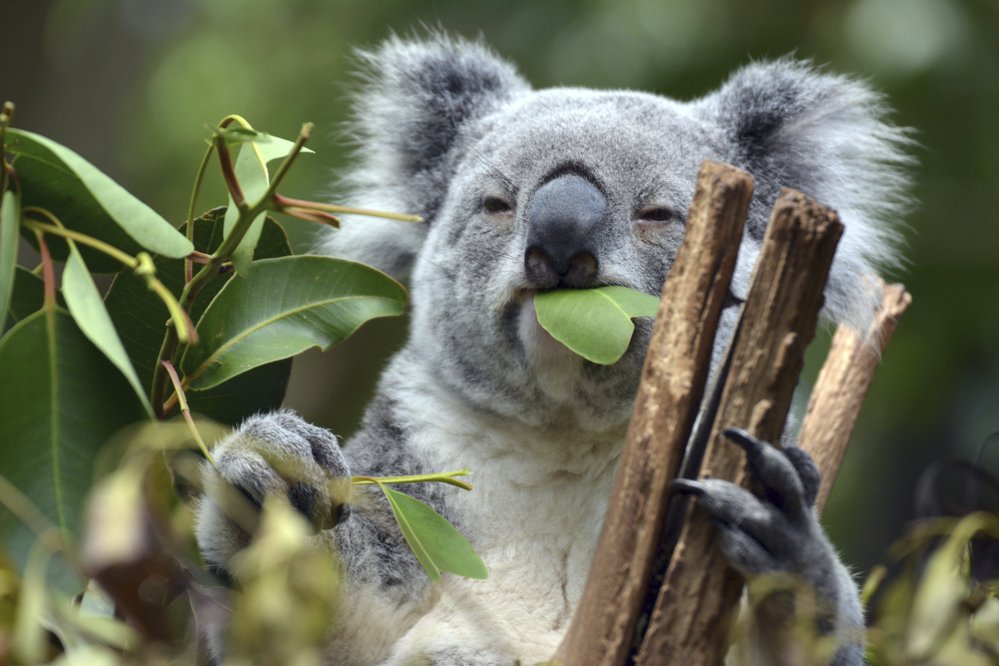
pixel 496 205
pixel 657 214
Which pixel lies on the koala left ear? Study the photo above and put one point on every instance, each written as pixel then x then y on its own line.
pixel 793 125
pixel 411 116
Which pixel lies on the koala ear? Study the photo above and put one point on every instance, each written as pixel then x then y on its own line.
pixel 412 115
pixel 792 125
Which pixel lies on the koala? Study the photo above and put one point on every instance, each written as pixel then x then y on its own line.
pixel 523 191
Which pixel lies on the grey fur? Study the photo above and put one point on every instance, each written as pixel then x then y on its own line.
pixel 446 129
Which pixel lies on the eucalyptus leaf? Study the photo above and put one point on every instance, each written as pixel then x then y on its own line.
pixel 87 307
pixel 55 178
pixel 284 307
pixel 254 179
pixel 27 297
pixel 60 401
pixel 10 220
pixel 434 541
pixel 594 323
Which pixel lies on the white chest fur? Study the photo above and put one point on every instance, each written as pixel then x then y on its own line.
pixel 534 517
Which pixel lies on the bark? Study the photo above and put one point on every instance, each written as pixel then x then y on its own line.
pixel 842 385
pixel 692 616
pixel 673 378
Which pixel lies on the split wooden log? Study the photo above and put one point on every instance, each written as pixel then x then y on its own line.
pixel 842 385
pixel 672 385
pixel 692 616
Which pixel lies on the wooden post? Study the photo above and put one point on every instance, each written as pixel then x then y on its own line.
pixel 842 385
pixel 672 385
pixel 691 619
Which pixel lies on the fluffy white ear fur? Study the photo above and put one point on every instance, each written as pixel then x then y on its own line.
pixel 415 101
pixel 825 135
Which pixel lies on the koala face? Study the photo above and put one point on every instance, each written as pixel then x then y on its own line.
pixel 559 189
pixel 524 191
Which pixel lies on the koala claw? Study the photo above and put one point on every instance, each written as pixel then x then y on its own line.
pixel 772 529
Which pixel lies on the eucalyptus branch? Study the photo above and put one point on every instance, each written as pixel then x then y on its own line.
pixel 303 135
pixel 248 214
pixel 449 478
pixel 172 347
pixel 145 269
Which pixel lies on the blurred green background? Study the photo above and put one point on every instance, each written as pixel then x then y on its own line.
pixel 133 85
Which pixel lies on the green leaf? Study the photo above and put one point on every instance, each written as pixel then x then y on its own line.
pixel 55 178
pixel 594 323
pixel 139 318
pixel 284 307
pixel 27 297
pixel 60 401
pixel 434 541
pixel 254 179
pixel 87 307
pixel 10 220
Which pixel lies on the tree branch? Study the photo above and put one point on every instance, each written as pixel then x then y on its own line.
pixel 691 619
pixel 673 380
pixel 842 385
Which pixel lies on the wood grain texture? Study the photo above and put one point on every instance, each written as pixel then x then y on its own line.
pixel 672 385
pixel 692 616
pixel 842 385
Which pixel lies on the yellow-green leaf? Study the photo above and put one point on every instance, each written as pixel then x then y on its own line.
pixel 434 541
pixel 10 218
pixel 594 323
pixel 87 307
pixel 85 199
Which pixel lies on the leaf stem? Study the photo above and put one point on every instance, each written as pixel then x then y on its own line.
pixel 22 508
pixel 289 202
pixel 143 269
pixel 6 118
pixel 185 410
pixel 229 171
pixel 303 135
pixel 235 118
pixel 449 478
pixel 48 272
pixel 56 228
pixel 247 214
pixel 198 179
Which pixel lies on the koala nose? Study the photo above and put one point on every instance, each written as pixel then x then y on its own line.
pixel 564 218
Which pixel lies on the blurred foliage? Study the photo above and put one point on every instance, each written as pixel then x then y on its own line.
pixel 119 80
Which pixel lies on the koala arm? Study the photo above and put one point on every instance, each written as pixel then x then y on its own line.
pixel 279 453
pixel 775 531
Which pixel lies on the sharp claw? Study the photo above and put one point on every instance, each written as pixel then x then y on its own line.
pixel 686 487
pixel 744 440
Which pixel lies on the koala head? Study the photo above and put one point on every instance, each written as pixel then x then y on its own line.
pixel 525 190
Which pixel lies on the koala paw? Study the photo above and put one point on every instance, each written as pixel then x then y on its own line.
pixel 275 453
pixel 774 529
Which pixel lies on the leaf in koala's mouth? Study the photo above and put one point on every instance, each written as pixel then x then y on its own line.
pixel 594 323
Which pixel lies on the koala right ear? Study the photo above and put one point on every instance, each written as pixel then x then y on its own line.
pixel 410 120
